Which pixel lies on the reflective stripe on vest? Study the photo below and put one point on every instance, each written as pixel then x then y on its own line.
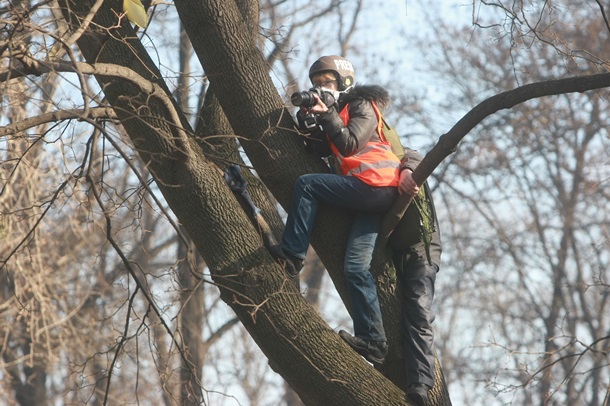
pixel 375 164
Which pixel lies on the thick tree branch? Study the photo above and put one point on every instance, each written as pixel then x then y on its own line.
pixel 448 142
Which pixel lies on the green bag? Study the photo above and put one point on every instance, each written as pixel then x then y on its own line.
pixel 392 137
pixel 421 201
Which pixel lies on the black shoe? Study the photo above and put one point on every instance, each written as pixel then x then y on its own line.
pixel 372 351
pixel 418 394
pixel 292 264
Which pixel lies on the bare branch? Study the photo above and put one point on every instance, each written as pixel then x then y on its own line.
pixel 448 142
pixel 55 116
pixel 605 17
pixel 36 67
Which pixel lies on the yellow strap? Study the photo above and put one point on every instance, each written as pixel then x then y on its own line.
pixel 379 122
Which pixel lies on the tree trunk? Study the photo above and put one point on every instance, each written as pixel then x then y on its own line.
pixel 235 69
pixel 299 344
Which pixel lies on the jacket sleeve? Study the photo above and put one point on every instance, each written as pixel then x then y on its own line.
pixel 411 159
pixel 360 128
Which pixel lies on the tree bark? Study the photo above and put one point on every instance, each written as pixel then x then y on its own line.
pixel 235 69
pixel 299 344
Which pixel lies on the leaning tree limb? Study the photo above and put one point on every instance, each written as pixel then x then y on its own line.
pixel 448 142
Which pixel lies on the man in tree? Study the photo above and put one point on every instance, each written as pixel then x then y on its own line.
pixel 416 243
pixel 344 123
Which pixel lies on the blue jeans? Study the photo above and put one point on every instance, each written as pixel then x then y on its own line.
pixel 361 287
pixel 345 191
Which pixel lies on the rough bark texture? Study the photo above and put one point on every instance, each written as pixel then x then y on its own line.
pixel 329 241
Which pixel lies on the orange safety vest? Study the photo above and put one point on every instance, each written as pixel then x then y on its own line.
pixel 375 164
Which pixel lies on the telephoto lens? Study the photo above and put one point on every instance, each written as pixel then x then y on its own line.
pixel 304 99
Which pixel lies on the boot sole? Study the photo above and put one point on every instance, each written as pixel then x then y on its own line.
pixel 362 351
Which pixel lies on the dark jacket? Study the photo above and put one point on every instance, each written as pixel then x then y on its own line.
pixel 360 129
pixel 407 235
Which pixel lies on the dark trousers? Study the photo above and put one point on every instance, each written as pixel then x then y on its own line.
pixel 416 277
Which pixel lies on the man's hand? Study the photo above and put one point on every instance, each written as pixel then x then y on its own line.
pixel 406 184
pixel 319 108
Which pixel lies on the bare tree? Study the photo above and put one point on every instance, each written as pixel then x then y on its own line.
pixel 136 108
pixel 528 203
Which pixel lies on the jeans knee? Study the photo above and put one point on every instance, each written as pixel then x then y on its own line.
pixel 301 182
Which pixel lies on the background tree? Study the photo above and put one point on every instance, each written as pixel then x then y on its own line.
pixel 527 195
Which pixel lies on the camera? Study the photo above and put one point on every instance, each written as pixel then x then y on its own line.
pixel 310 121
pixel 307 99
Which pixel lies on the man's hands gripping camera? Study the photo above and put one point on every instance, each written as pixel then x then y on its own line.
pixel 312 102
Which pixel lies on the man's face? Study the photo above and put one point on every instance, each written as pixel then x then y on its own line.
pixel 325 81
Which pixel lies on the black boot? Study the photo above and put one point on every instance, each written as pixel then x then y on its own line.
pixel 418 394
pixel 372 351
pixel 292 264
